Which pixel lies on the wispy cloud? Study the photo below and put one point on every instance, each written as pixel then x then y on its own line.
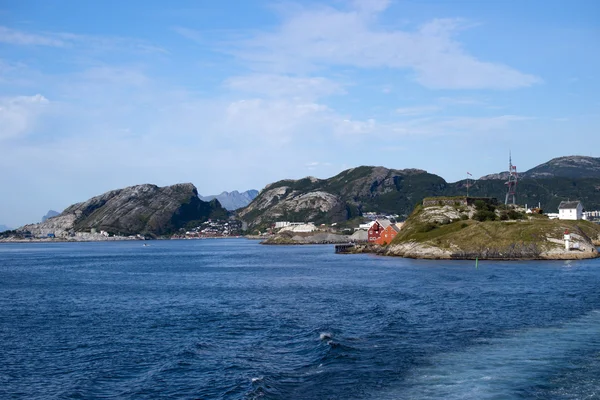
pixel 419 110
pixel 19 114
pixel 188 33
pixel 317 38
pixel 15 37
pixel 273 85
pixel 71 40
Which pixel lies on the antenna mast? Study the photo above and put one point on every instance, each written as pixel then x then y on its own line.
pixel 512 182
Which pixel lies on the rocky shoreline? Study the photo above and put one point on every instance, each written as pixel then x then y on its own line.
pixel 318 238
pixel 422 251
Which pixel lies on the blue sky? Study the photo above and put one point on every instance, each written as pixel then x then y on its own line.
pixel 237 94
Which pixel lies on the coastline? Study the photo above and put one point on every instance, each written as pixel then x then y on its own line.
pixel 418 251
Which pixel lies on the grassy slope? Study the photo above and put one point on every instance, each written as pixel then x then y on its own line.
pixel 472 236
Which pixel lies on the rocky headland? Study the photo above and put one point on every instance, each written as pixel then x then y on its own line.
pixel 138 211
pixel 466 232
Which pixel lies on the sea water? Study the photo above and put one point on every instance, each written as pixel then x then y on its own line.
pixel 233 319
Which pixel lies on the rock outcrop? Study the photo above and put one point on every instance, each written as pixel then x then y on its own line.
pixel 143 209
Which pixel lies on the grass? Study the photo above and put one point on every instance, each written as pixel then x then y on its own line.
pixel 473 236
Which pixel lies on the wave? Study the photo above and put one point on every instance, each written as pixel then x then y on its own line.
pixel 525 364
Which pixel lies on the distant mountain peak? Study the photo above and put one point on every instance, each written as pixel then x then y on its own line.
pixel 233 200
pixel 50 214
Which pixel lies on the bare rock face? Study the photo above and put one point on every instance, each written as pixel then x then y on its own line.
pixel 280 201
pixel 500 176
pixel 142 209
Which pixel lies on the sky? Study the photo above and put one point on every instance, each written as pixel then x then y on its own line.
pixel 234 95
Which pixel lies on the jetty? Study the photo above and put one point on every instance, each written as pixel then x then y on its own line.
pixel 344 248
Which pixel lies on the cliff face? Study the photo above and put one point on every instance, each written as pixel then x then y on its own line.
pixel 144 209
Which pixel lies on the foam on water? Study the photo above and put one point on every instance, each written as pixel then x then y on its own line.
pixel 514 365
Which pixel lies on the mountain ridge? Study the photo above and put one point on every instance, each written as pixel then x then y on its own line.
pixel 355 191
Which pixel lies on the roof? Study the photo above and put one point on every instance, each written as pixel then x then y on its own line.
pixel 568 205
pixel 384 223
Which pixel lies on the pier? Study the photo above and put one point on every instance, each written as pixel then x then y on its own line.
pixel 344 248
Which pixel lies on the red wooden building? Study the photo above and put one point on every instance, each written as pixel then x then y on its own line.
pixel 382 231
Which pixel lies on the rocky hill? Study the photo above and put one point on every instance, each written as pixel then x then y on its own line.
pixel 358 190
pixel 567 167
pixel 233 200
pixel 573 167
pixel 4 228
pixel 342 197
pixel 143 209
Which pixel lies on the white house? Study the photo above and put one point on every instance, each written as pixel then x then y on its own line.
pixel 570 210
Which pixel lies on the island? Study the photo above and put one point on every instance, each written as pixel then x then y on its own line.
pixel 480 228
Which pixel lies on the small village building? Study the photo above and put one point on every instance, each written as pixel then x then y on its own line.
pixel 377 229
pixel 388 234
pixel 570 210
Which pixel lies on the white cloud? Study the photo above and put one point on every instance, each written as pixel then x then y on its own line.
pixel 188 33
pixel 478 124
pixel 272 85
pixel 92 43
pixel 260 122
pixel 419 110
pixel 15 37
pixel 114 75
pixel 19 114
pixel 323 37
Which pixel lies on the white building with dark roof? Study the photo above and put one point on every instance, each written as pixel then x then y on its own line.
pixel 572 210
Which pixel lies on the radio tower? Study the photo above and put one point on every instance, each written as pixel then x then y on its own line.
pixel 512 182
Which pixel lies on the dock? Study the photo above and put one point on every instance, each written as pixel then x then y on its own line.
pixel 344 248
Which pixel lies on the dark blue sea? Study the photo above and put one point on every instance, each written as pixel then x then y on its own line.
pixel 232 319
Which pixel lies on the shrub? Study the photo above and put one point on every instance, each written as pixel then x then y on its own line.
pixel 427 227
pixel 512 214
pixel 464 217
pixel 484 215
pixel 463 225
